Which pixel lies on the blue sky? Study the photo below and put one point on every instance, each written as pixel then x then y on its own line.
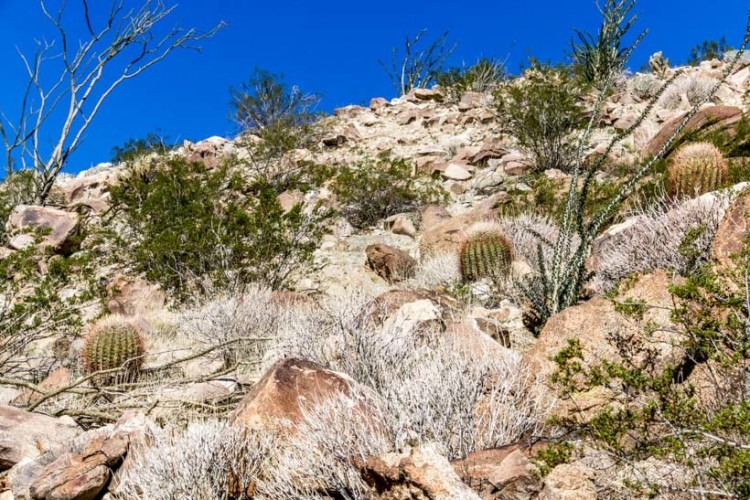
pixel 332 47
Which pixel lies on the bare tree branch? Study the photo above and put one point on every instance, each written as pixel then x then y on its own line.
pixel 119 48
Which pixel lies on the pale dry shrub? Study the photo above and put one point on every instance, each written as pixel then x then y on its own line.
pixel 322 456
pixel 239 325
pixel 644 85
pixel 204 461
pixel 436 270
pixel 657 240
pixel 524 231
pixel 694 87
pixel 643 134
pixel 431 390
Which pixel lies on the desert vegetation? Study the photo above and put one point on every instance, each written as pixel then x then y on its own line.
pixel 490 286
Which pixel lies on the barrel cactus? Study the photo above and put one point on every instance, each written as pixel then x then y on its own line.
pixel 113 342
pixel 695 169
pixel 486 254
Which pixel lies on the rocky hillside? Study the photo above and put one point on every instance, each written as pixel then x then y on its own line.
pixel 405 355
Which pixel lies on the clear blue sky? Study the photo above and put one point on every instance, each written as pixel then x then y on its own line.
pixel 333 47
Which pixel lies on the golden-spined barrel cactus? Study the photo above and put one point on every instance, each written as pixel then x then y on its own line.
pixel 695 169
pixel 486 254
pixel 113 342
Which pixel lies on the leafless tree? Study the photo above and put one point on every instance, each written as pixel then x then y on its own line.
pixel 60 103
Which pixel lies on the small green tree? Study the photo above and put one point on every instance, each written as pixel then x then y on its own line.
pixel 154 142
pixel 266 101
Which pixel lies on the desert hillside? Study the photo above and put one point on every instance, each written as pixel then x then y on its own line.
pixel 530 286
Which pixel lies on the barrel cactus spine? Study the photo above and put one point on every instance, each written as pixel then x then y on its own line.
pixel 113 342
pixel 695 169
pixel 486 253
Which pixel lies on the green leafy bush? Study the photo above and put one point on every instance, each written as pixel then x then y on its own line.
pixel 154 142
pixel 374 190
pixel 266 101
pixel 543 111
pixel 17 189
pixel 186 225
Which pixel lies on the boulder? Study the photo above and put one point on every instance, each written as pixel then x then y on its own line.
pixel 57 379
pixel 25 435
pixel 448 236
pixel 386 307
pixel 57 226
pixel 278 401
pixel 456 172
pixel 433 215
pixel 500 473
pixel 132 296
pixel 707 119
pixel 419 473
pixel 732 232
pixel 401 224
pixel 391 264
pixel 89 190
pixel 84 475
pixel 569 482
pixel 598 326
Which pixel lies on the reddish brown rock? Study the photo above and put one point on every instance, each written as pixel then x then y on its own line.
pixel 598 326
pixel 132 296
pixel 278 400
pixel 449 235
pixel 732 232
pixel 432 216
pixel 707 119
pixel 58 227
pixel 57 379
pixel 500 473
pixel 569 482
pixel 391 264
pixel 84 475
pixel 25 435
pixel 388 304
pixel 419 474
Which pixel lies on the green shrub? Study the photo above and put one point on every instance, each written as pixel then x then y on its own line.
pixel 17 189
pixel 186 225
pixel 374 190
pixel 266 101
pixel 33 309
pixel 690 412
pixel 154 142
pixel 113 342
pixel 543 111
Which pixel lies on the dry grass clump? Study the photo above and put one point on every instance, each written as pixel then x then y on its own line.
pixel 206 460
pixel 430 390
pixel 687 90
pixel 675 238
